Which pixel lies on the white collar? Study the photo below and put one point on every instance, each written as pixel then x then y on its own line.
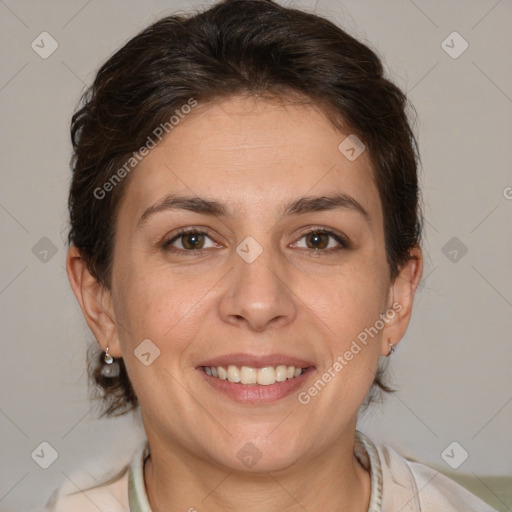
pixel 364 450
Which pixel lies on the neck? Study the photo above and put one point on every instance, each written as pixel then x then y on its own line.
pixel 331 481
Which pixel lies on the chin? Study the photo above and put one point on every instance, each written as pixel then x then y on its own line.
pixel 258 456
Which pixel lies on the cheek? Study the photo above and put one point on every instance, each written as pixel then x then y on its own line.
pixel 349 306
pixel 349 299
pixel 161 304
pixel 151 309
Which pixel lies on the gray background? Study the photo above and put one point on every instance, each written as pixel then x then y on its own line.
pixel 452 367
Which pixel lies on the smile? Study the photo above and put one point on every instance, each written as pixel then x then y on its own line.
pixel 265 376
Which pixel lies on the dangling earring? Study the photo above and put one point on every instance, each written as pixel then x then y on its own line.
pixel 391 348
pixel 111 368
pixel 108 358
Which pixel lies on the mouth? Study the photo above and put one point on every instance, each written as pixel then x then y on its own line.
pixel 247 375
pixel 254 379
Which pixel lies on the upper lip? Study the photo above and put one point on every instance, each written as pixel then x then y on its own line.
pixel 256 361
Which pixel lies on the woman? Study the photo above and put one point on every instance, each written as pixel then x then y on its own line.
pixel 245 247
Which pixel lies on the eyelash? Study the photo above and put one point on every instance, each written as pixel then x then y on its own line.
pixel 341 239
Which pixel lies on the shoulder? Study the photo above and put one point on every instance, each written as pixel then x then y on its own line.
pixel 111 495
pixel 414 487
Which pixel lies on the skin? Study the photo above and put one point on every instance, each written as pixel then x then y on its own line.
pixel 255 156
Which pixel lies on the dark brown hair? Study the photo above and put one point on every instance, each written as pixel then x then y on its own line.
pixel 252 47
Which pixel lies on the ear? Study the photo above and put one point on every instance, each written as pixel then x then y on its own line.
pixel 401 296
pixel 96 302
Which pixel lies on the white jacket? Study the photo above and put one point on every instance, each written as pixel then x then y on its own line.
pixel 397 484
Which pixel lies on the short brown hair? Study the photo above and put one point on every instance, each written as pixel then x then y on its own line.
pixel 253 47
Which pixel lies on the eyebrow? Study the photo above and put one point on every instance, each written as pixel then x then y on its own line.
pixel 301 206
pixel 310 204
pixel 191 203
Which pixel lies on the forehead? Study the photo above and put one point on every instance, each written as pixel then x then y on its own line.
pixel 252 153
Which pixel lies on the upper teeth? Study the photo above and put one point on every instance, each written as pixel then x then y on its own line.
pixel 249 375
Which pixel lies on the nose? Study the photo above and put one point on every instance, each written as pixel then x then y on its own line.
pixel 258 295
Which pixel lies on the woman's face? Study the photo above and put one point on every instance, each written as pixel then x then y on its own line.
pixel 250 287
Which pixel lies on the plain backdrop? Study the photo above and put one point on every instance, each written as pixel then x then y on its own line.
pixel 452 369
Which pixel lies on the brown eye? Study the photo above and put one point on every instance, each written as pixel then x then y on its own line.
pixel 317 240
pixel 322 240
pixel 192 241
pixel 189 241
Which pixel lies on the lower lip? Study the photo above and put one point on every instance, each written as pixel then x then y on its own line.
pixel 255 393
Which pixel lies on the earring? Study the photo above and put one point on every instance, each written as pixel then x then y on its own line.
pixel 108 358
pixel 111 368
pixel 391 348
